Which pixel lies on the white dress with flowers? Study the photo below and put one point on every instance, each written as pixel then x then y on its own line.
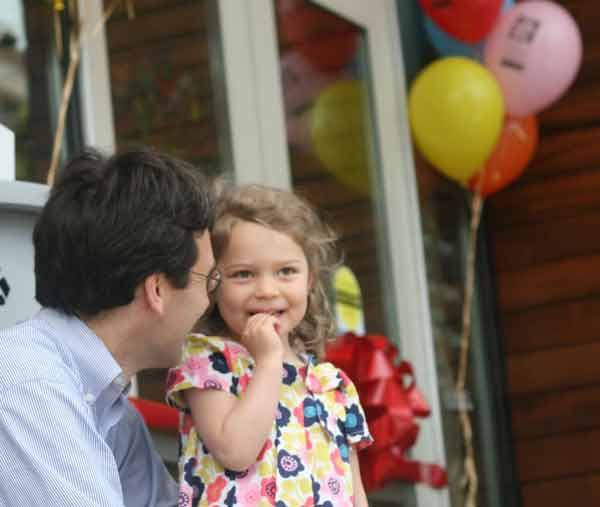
pixel 305 460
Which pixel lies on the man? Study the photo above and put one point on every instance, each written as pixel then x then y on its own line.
pixel 123 267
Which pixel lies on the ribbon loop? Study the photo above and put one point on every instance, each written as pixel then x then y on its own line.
pixel 391 400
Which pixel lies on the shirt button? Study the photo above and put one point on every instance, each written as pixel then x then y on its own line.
pixel 120 380
pixel 89 398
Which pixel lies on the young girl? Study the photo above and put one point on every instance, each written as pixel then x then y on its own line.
pixel 269 425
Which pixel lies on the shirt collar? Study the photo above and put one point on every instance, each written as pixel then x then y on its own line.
pixel 97 367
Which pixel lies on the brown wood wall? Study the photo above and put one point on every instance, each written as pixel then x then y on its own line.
pixel 545 239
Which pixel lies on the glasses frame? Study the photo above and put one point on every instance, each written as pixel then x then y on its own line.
pixel 213 279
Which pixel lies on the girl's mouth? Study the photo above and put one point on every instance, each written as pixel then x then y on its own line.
pixel 275 313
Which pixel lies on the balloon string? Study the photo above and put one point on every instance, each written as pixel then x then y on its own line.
pixel 470 479
pixel 75 42
pixel 74 56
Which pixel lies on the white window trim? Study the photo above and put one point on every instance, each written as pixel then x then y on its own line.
pixel 254 94
pixel 96 100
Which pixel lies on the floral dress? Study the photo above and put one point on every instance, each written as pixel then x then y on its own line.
pixel 304 461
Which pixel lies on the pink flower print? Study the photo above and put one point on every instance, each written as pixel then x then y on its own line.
pixel 198 369
pixel 235 349
pixel 322 378
pixel 212 383
pixel 194 363
pixel 334 485
pixel 186 493
pixel 268 489
pixel 249 492
pixel 313 384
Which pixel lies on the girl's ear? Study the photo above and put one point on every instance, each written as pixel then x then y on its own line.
pixel 155 290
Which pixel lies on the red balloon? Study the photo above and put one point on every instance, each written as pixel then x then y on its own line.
pixel 514 150
pixel 466 20
pixel 327 41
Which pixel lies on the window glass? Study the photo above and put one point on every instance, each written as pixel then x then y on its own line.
pixel 30 84
pixel 164 92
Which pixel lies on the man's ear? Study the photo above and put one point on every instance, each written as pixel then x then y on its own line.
pixel 154 288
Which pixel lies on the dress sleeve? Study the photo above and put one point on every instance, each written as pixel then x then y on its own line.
pixel 207 364
pixel 355 421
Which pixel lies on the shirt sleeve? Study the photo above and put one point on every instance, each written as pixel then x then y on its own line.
pixel 355 421
pixel 145 479
pixel 51 451
pixel 207 364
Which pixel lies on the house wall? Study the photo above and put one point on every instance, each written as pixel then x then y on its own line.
pixel 543 235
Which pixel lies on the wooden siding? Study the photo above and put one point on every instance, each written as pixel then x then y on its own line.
pixel 546 255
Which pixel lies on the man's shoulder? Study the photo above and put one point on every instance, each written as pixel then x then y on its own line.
pixel 30 351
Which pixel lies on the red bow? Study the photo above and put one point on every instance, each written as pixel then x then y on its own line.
pixel 391 402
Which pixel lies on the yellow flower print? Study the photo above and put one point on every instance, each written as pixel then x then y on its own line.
pixel 290 492
pixel 293 441
pixel 265 468
pixel 305 486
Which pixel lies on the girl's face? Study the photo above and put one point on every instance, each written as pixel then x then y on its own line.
pixel 264 271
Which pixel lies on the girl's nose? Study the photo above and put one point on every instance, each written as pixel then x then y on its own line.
pixel 266 287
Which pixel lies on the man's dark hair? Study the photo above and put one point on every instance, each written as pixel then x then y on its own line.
pixel 111 222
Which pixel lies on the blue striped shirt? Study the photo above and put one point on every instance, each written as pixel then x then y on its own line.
pixel 68 434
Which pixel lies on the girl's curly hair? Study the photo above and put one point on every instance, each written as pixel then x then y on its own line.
pixel 285 212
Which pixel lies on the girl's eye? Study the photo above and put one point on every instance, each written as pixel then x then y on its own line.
pixel 288 271
pixel 242 274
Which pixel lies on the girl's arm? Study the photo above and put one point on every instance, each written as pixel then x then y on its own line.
pixel 235 429
pixel 360 496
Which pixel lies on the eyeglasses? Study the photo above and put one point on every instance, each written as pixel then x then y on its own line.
pixel 213 279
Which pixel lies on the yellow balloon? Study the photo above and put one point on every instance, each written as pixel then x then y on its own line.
pixel 456 112
pixel 338 134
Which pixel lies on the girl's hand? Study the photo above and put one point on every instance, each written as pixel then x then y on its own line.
pixel 261 338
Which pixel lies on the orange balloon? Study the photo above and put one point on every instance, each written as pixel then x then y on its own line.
pixel 514 150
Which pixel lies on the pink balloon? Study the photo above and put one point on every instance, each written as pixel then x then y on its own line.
pixel 535 52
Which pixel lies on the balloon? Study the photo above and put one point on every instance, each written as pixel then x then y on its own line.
pixel 456 112
pixel 446 45
pixel 466 20
pixel 338 133
pixel 535 52
pixel 449 46
pixel 511 155
pixel 327 41
pixel 301 82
